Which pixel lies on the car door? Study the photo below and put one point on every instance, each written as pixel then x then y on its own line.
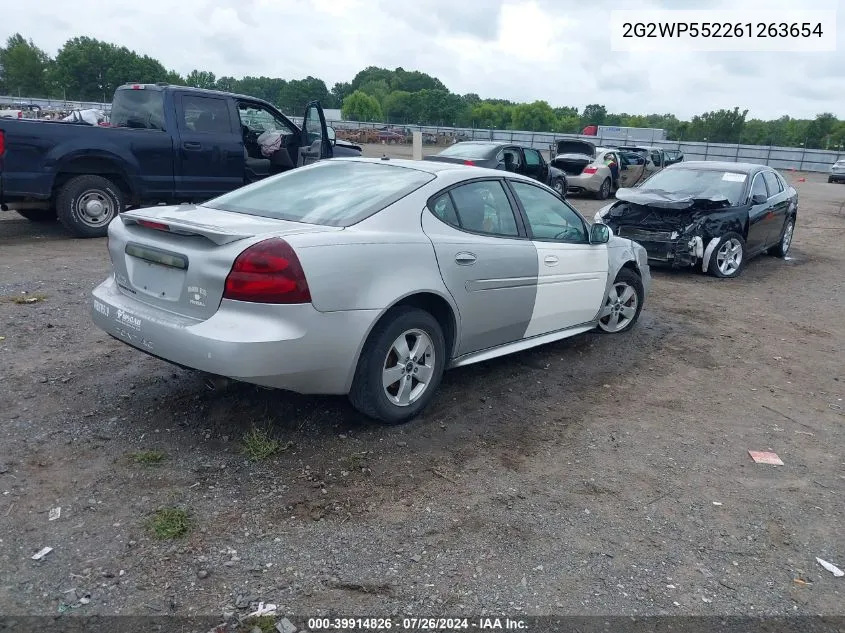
pixel 573 273
pixel 631 168
pixel 778 208
pixel 210 150
pixel 535 166
pixel 486 261
pixel 758 215
pixel 315 142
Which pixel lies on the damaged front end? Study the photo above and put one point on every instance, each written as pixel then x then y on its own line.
pixel 676 231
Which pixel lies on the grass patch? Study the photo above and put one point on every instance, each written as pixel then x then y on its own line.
pixel 25 299
pixel 257 445
pixel 149 458
pixel 170 523
pixel 267 623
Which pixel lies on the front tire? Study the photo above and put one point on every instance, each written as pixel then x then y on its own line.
pixel 604 191
pixel 86 204
pixel 400 366
pixel 782 248
pixel 38 215
pixel 623 303
pixel 728 258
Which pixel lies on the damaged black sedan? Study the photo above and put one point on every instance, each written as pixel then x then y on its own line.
pixel 710 214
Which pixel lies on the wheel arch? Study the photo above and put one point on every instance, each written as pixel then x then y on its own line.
pixel 93 165
pixel 439 306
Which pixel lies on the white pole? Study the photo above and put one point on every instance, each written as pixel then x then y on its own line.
pixel 417 149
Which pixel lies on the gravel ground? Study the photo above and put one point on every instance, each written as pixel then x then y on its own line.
pixel 598 475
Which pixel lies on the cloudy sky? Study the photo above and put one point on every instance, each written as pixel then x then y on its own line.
pixel 556 50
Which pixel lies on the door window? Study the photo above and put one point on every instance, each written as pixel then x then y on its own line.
pixel 549 217
pixel 655 158
pixel 313 127
pixel 532 158
pixel 259 120
pixel 206 115
pixel 772 183
pixel 759 186
pixel 478 207
pixel 513 159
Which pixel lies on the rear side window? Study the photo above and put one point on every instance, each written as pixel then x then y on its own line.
pixel 206 115
pixel 772 182
pixel 479 207
pixel 140 109
pixel 330 193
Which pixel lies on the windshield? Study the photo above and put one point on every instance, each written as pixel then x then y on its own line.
pixel 331 193
pixel 467 150
pixel 142 109
pixel 698 183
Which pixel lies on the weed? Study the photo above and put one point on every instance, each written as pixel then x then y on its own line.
pixel 148 458
pixel 170 523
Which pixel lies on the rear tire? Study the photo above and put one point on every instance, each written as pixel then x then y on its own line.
pixel 604 191
pixel 380 362
pixel 38 215
pixel 560 186
pixel 86 204
pixel 782 247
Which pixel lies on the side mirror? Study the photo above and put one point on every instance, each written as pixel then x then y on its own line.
pixel 599 233
pixel 332 136
pixel 759 198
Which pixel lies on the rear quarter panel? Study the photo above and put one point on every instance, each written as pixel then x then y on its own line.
pixel 373 264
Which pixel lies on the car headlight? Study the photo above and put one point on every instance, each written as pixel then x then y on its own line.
pixel 602 213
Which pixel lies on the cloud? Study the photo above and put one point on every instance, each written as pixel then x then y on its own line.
pixel 514 49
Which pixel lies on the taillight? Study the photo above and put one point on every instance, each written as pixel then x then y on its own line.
pixel 20 114
pixel 268 272
pixel 2 143
pixel 590 170
pixel 469 162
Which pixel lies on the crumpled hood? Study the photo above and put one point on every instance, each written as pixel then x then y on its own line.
pixel 663 199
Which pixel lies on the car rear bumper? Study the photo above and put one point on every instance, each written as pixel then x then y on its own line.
pixel 292 347
pixel 583 184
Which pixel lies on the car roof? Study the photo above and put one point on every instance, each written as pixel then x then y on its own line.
pixel 745 168
pixel 492 144
pixel 439 169
pixel 163 86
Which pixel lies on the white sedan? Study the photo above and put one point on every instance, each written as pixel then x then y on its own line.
pixel 366 277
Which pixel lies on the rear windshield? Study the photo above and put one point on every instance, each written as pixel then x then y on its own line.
pixel 141 109
pixel 698 183
pixel 331 193
pixel 468 150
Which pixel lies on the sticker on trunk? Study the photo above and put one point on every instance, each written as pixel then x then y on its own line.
pixel 101 307
pixel 733 177
pixel 127 319
pixel 197 296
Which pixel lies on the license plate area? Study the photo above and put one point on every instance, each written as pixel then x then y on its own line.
pixel 155 272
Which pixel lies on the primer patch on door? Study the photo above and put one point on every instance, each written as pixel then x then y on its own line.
pixel 197 296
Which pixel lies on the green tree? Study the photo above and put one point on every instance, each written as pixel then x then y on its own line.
pixel 719 126
pixel 359 106
pixel 594 114
pixel 534 117
pixel 294 95
pixel 24 68
pixel 400 107
pixel 378 88
pixel 201 79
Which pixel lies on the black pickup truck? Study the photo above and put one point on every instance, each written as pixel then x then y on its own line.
pixel 163 144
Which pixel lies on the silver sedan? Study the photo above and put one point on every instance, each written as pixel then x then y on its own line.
pixel 366 277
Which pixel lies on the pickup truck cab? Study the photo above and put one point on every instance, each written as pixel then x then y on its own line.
pixel 163 144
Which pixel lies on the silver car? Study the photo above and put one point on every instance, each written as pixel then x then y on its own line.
pixel 366 277
pixel 837 171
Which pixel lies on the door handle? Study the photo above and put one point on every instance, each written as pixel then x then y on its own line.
pixel 551 260
pixel 465 259
pixel 192 146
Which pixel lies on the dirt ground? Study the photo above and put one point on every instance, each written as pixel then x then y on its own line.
pixel 599 475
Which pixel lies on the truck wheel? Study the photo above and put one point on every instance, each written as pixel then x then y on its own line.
pixel 86 204
pixel 38 215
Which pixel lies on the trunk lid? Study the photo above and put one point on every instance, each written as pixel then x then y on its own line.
pixel 459 160
pixel 574 146
pixel 177 258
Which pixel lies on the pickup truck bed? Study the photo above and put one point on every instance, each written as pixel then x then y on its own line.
pixel 165 144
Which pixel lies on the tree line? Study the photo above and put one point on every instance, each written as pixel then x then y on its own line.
pixel 87 69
